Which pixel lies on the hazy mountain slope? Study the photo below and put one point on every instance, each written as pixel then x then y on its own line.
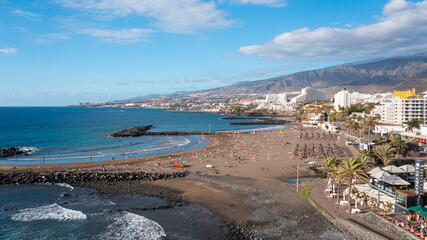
pixel 369 76
pixel 419 84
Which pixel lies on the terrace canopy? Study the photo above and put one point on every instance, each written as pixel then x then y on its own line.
pixel 395 181
pixel 374 170
pixel 393 169
pixel 373 193
pixel 418 209
pixel 380 175
pixel 407 168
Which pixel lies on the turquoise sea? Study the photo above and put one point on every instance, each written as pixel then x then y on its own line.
pixel 61 134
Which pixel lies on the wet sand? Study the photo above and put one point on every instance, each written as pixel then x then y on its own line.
pixel 241 177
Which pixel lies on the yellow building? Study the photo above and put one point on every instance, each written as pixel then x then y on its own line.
pixel 405 94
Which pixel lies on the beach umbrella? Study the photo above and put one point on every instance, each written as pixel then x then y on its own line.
pixel 395 180
pixel 393 169
pixel 374 170
pixel 408 168
pixel 422 214
pixel 380 175
pixel 418 209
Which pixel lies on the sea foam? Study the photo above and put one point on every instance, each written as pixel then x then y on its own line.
pixel 48 212
pixel 132 226
pixel 65 185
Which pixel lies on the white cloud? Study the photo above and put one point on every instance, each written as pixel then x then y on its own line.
pixel 181 16
pixel 119 83
pixel 22 29
pixel 52 37
pixel 118 36
pixel 274 3
pixel 27 14
pixel 8 50
pixel 395 6
pixel 402 29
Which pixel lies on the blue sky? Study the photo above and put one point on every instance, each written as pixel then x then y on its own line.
pixel 59 52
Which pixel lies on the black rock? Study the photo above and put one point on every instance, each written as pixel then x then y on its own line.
pixel 132 132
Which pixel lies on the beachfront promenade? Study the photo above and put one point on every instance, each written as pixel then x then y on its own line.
pixel 336 211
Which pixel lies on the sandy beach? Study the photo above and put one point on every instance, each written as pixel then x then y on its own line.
pixel 241 176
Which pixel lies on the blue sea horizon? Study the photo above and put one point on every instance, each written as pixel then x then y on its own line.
pixel 75 134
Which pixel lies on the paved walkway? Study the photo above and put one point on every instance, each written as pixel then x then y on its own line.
pixel 354 150
pixel 319 196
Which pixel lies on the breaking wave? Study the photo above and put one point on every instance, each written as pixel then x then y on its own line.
pixel 131 226
pixel 65 185
pixel 48 212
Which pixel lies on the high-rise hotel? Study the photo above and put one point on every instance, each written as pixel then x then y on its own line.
pixel 404 107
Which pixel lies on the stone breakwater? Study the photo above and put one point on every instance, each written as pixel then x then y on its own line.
pixel 82 177
pixel 263 122
pixel 260 121
pixel 179 133
pixel 143 131
pixel 132 132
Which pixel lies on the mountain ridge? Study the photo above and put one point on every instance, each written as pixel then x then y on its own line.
pixel 368 76
pixel 380 75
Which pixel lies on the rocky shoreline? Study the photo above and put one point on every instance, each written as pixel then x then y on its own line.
pixel 82 177
pixel 135 183
pixel 14 151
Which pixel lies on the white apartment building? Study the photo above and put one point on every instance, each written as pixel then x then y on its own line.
pixel 357 97
pixel 342 99
pixel 397 111
pixel 379 97
pixel 309 94
pixel 276 98
pixel 275 102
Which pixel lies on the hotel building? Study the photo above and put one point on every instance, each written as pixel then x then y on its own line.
pixel 404 107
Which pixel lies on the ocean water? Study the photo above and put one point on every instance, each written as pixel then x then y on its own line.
pixel 63 212
pixel 60 134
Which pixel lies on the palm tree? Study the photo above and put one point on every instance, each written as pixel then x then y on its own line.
pixel 370 123
pixel 385 153
pixel 399 145
pixel 339 116
pixel 332 117
pixel 412 124
pixel 351 169
pixel 366 161
pixel 329 166
pixel 351 125
pixel 335 175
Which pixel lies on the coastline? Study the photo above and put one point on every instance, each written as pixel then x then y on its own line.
pixel 213 139
pixel 245 183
